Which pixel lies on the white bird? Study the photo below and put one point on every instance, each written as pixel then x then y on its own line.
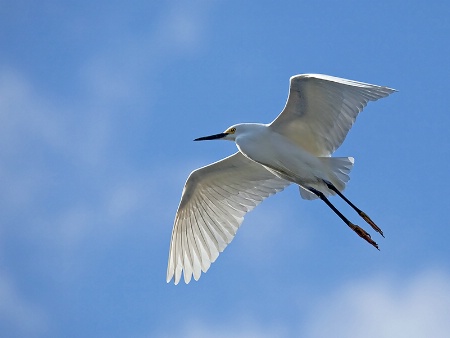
pixel 294 148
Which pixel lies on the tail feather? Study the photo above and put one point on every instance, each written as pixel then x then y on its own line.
pixel 306 194
pixel 339 170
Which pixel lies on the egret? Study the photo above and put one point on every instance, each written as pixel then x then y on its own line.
pixel 295 148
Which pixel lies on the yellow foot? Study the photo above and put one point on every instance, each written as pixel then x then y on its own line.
pixel 371 223
pixel 363 234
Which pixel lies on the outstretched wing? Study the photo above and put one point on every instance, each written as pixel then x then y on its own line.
pixel 213 204
pixel 321 109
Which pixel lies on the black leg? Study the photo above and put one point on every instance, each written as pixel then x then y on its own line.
pixel 361 232
pixel 359 211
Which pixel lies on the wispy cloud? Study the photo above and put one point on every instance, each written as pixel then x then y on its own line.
pixel 242 328
pixel 385 307
pixel 16 312
pixel 415 307
pixel 47 144
pixel 130 71
pixel 63 187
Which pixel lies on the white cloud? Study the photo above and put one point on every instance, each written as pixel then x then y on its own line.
pixel 182 27
pixel 239 328
pixel 416 307
pixel 385 307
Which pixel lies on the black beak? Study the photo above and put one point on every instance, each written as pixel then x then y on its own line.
pixel 211 137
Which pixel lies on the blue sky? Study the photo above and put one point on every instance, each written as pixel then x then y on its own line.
pixel 99 103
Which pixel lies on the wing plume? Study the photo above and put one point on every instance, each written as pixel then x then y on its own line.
pixel 321 109
pixel 214 202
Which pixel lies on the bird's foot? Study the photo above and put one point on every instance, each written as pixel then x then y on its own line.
pixel 371 223
pixel 363 234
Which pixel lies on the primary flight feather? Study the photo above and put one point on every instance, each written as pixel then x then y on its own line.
pixel 294 148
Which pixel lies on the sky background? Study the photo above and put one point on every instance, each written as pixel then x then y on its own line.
pixel 99 104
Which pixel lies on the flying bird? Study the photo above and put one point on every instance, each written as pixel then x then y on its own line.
pixel 295 148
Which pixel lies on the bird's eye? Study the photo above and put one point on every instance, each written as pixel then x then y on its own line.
pixel 232 130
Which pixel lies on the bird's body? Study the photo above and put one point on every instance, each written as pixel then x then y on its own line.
pixel 294 148
pixel 259 143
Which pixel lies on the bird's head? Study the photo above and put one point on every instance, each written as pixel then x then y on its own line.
pixel 229 134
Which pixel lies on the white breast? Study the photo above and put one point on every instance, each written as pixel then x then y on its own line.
pixel 283 157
